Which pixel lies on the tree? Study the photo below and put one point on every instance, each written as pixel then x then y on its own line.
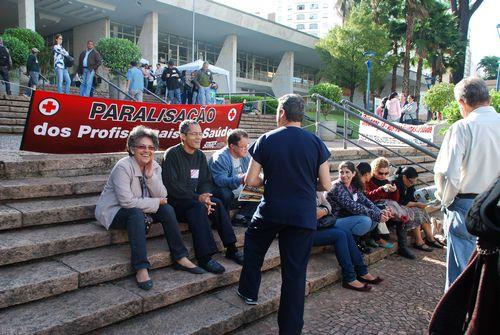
pixel 344 8
pixel 415 10
pixel 489 64
pixel 342 51
pixel 117 53
pixel 463 10
pixel 30 38
pixel 329 91
pixel 439 96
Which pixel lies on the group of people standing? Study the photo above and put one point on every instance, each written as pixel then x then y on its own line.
pixel 396 109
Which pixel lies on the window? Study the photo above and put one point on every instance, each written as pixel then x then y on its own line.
pixel 289 7
pixel 300 27
pixel 313 26
pixel 314 6
pixel 129 32
pixel 325 15
pixel 325 5
pixel 313 16
pixel 301 17
pixel 289 17
pixel 301 7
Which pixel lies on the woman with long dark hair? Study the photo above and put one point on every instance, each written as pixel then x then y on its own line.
pixel 60 68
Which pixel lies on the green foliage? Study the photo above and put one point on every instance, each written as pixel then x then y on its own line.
pixel 271 103
pixel 489 64
pixel 18 50
pixel 117 53
pixel 342 51
pixel 495 100
pixel 439 96
pixel 329 91
pixel 452 112
pixel 31 38
pixel 46 61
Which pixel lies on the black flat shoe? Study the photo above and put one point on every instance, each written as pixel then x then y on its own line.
pixel 196 270
pixel 364 249
pixel 406 253
pixel 237 257
pixel 213 267
pixel 375 281
pixel 364 288
pixel 434 244
pixel 145 285
pixel 422 247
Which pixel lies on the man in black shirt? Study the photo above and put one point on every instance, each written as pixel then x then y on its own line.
pixel 188 180
pixel 172 78
pixel 295 166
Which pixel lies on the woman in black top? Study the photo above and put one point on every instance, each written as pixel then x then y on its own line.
pixel 405 179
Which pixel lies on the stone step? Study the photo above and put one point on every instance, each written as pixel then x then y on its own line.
pixel 65 273
pixel 17 103
pixel 12 114
pixel 222 311
pixel 51 187
pixel 48 211
pixel 425 161
pixel 11 121
pixel 19 165
pixel 94 307
pixel 11 129
pixel 13 97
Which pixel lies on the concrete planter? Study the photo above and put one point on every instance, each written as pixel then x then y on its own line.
pixel 325 134
pixel 437 133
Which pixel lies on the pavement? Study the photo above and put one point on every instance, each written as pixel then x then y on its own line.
pixel 402 304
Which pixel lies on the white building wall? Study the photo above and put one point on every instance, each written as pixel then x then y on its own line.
pixel 315 17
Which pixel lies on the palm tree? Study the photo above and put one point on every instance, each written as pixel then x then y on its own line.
pixel 489 64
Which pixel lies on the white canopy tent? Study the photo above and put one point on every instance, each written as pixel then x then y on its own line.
pixel 198 64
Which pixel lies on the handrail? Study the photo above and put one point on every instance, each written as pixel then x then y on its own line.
pixel 368 151
pixel 43 80
pixel 115 86
pixel 373 124
pixel 353 105
pixel 151 93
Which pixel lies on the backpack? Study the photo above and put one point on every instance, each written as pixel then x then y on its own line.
pixel 4 56
pixel 69 61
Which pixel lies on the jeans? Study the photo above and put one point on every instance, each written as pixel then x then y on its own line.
pixel 194 98
pixel 87 80
pixel 460 244
pixel 159 86
pixel 132 219
pixel 347 252
pixel 204 96
pixel 62 75
pixel 171 94
pixel 136 94
pixel 295 247
pixel 33 81
pixel 4 74
pixel 358 225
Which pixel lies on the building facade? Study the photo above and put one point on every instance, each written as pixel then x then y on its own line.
pixel 261 55
pixel 315 17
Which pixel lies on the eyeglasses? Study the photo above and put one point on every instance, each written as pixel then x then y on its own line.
pixel 241 148
pixel 195 134
pixel 145 147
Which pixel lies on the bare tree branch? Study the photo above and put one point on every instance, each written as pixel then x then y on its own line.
pixel 475 6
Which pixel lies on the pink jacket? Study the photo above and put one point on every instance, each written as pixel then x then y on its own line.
pixel 394 109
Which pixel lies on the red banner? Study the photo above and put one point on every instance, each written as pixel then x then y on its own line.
pixel 70 124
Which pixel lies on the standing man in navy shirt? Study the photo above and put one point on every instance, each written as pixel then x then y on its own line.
pixel 295 166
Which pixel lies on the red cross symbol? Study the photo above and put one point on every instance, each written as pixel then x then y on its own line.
pixel 232 114
pixel 48 106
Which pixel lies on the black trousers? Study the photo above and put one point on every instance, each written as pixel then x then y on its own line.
pixel 132 219
pixel 4 74
pixel 295 247
pixel 195 214
pixel 245 208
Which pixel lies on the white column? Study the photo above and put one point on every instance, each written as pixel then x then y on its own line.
pixel 227 61
pixel 148 39
pixel 26 14
pixel 283 78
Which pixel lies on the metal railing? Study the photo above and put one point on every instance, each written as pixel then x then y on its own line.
pixel 348 112
pixel 115 86
pixel 145 89
pixel 348 103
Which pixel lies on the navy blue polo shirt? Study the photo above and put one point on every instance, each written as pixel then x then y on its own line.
pixel 290 158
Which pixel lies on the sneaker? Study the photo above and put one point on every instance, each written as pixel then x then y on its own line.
pixel 213 266
pixel 247 301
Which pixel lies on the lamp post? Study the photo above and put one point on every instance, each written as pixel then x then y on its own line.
pixel 192 50
pixel 368 54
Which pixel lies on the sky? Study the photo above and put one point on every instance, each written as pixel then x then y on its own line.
pixel 484 38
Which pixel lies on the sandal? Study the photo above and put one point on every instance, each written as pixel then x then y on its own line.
pixel 423 247
pixel 433 244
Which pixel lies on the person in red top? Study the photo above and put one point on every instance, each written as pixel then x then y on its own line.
pixel 379 189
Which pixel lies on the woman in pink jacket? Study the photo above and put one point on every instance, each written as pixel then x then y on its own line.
pixel 393 106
